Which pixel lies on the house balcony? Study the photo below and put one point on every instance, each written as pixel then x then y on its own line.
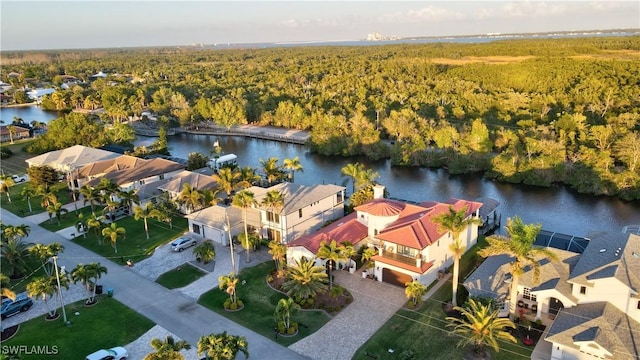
pixel 409 260
pixel 410 263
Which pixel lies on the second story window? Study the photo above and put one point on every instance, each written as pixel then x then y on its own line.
pixel 406 251
pixel 299 212
pixel 526 294
pixel 583 290
pixel 274 218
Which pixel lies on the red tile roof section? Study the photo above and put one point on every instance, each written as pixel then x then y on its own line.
pixel 346 229
pixel 418 270
pixel 382 207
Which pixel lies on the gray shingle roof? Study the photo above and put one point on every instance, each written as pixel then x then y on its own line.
pixel 297 196
pixel 196 180
pixel 74 156
pixel 598 322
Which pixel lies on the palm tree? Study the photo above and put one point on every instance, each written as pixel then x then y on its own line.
pixel 44 253
pixel 229 282
pixel 244 199
pixel 6 182
pixel 27 193
pixel 191 198
pixel 12 131
pixel 414 291
pixel 15 253
pixel 271 169
pixel 227 179
pixel 367 254
pixel 114 233
pixel 283 311
pixel 165 208
pixel 292 165
pixel 353 171
pixel 106 187
pixel 305 280
pixel 4 287
pixel 167 349
pixel 205 251
pixel 48 197
pixel 222 346
pixel 44 288
pixel 279 252
pixel 519 245
pixel 91 195
pixel 332 253
pixel 247 177
pixel 144 213
pixel 96 270
pixel 480 327
pixel 455 222
pixel 82 274
pixel 128 198
pixel 15 232
pixel 56 209
pixel 349 251
pixel 95 222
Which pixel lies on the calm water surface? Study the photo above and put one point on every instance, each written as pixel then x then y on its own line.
pixel 557 208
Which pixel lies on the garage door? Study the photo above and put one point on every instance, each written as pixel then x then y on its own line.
pixel 395 277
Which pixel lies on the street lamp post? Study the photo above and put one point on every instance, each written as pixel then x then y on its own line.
pixel 64 313
pixel 72 185
pixel 227 228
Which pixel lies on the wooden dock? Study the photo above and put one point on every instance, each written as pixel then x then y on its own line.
pixel 298 137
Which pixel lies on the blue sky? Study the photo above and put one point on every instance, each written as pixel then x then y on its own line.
pixel 29 25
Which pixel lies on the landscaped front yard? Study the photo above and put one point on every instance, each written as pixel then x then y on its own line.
pixel 135 246
pixel 259 304
pixel 423 333
pixel 106 324
pixel 20 206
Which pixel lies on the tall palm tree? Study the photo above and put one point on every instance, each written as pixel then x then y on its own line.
pixel 165 208
pixel 167 349
pixel 353 171
pixel 96 270
pixel 48 197
pixel 144 213
pixel 348 251
pixel 56 209
pixel 455 223
pixel 191 198
pixel 14 257
pixel 247 177
pixel 43 288
pixel 27 193
pixel 44 253
pixel 91 195
pixel 6 182
pixel 271 169
pixel 292 165
pixel 305 280
pixel 283 311
pixel 480 327
pixel 414 291
pixel 107 188
pixel 227 179
pixel 12 131
pixel 4 287
pixel 222 346
pixel 245 199
pixel 15 232
pixel 114 233
pixel 82 274
pixel 273 201
pixel 229 282
pixel 278 251
pixel 332 253
pixel 519 245
pixel 95 222
pixel 128 198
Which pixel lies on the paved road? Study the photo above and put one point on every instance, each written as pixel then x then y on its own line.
pixel 172 310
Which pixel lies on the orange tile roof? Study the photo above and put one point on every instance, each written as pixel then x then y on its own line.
pixel 382 207
pixel 346 229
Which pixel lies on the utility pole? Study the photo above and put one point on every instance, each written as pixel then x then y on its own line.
pixel 72 186
pixel 64 313
pixel 228 229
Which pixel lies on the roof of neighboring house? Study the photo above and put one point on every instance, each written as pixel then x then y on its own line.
pixel 382 207
pixel 4 130
pixel 611 255
pixel 601 324
pixel 197 181
pixel 147 169
pixel 74 156
pixel 106 166
pixel 492 277
pixel 346 229
pixel 415 227
pixel 214 216
pixel 297 196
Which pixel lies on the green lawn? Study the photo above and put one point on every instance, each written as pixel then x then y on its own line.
pixel 179 277
pixel 68 219
pixel 135 246
pixel 20 206
pixel 34 270
pixel 16 163
pixel 107 324
pixel 423 334
pixel 259 304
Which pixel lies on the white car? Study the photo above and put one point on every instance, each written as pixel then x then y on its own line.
pixel 20 178
pixel 115 353
pixel 182 243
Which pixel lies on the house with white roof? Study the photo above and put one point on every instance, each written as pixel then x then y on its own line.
pixel 591 300
pixel 71 158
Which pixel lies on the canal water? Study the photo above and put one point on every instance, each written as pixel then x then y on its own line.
pixel 557 208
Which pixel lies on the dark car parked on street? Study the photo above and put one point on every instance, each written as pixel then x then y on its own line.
pixel 10 307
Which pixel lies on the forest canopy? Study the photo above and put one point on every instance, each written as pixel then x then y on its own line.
pixel 538 112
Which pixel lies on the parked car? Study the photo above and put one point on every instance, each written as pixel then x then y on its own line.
pixel 20 178
pixel 10 307
pixel 182 243
pixel 116 214
pixel 115 353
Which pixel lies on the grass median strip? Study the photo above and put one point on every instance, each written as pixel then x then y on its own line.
pixel 181 276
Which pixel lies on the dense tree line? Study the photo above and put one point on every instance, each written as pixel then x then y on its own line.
pixel 532 111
